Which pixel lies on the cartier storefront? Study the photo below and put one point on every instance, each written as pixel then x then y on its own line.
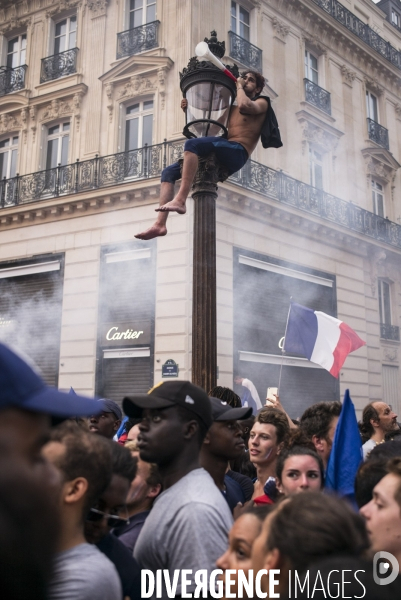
pixel 125 349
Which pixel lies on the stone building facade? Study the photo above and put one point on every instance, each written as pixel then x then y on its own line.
pixel 90 114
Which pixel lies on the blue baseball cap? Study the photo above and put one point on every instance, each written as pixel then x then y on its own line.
pixel 22 387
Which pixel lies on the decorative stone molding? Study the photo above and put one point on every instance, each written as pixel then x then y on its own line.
pixel 58 7
pixel 380 163
pixel 390 354
pixel 109 87
pixel 24 122
pixel 374 85
pixel 10 123
pixel 313 42
pixel 137 85
pixel 54 110
pixel 161 77
pixel 15 23
pixel 76 102
pixel 377 257
pixel 32 116
pixel 397 109
pixel 348 75
pixel 281 30
pixel 318 136
pixel 98 8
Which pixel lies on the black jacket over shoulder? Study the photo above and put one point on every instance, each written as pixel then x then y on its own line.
pixel 270 134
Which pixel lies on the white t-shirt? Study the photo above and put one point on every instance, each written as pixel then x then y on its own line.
pixel 84 573
pixel 254 392
pixel 187 528
pixel 368 447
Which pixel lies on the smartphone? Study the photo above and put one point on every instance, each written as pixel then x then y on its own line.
pixel 270 398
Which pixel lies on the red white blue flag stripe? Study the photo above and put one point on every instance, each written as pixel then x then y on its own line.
pixel 321 338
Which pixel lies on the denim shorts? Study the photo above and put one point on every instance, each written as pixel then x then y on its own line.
pixel 231 155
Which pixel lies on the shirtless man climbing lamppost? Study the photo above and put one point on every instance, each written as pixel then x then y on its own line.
pixel 244 129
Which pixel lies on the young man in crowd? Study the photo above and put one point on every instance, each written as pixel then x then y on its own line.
pixel 224 442
pixel 266 440
pixel 188 525
pixel 108 421
pixel 377 419
pixel 81 571
pixel 111 511
pixel 383 512
pixel 319 423
pixel 142 493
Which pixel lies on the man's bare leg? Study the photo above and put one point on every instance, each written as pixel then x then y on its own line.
pixel 159 227
pixel 189 169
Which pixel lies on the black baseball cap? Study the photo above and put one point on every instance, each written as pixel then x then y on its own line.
pixel 171 393
pixel 22 387
pixel 222 411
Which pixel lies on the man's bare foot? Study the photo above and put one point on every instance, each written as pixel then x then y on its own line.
pixel 173 206
pixel 154 231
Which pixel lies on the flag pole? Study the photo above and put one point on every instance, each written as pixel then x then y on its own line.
pixel 282 350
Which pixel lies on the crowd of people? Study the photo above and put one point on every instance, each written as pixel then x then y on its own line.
pixel 188 481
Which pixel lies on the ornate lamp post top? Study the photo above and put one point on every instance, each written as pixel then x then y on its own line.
pixel 209 92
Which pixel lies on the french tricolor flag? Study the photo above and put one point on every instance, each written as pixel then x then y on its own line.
pixel 324 340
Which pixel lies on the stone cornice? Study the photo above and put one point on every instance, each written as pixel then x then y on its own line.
pixel 307 17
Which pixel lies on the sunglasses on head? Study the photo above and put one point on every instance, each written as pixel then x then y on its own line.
pixel 96 515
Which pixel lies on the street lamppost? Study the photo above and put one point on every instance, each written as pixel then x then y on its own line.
pixel 210 95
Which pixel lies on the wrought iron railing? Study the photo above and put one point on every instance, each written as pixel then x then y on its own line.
pixel 148 162
pixel 317 96
pixel 363 31
pixel 12 80
pixel 389 332
pixel 245 52
pixel 138 39
pixel 59 65
pixel 378 134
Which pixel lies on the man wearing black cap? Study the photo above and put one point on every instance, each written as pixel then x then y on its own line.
pixel 223 442
pixel 188 525
pixel 108 421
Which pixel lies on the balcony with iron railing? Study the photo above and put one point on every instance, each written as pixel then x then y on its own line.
pixel 245 52
pixel 317 96
pixel 365 33
pixel 378 134
pixel 389 332
pixel 148 162
pixel 136 40
pixel 12 79
pixel 59 65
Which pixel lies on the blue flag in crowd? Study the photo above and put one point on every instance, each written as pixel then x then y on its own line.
pixel 72 392
pixel 346 453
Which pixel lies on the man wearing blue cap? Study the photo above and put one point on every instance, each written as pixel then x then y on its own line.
pixel 27 405
pixel 108 421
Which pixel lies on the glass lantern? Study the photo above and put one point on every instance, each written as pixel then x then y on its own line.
pixel 210 95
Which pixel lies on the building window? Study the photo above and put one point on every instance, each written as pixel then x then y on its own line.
pixel 16 51
pixel 65 35
pixel 311 67
pixel 371 107
pixel 141 12
pixel 139 125
pixel 8 157
pixel 378 198
pixel 316 168
pixel 395 18
pixel 240 21
pixel 384 303
pixel 58 138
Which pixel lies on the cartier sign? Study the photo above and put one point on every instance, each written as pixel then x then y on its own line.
pixel 132 333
